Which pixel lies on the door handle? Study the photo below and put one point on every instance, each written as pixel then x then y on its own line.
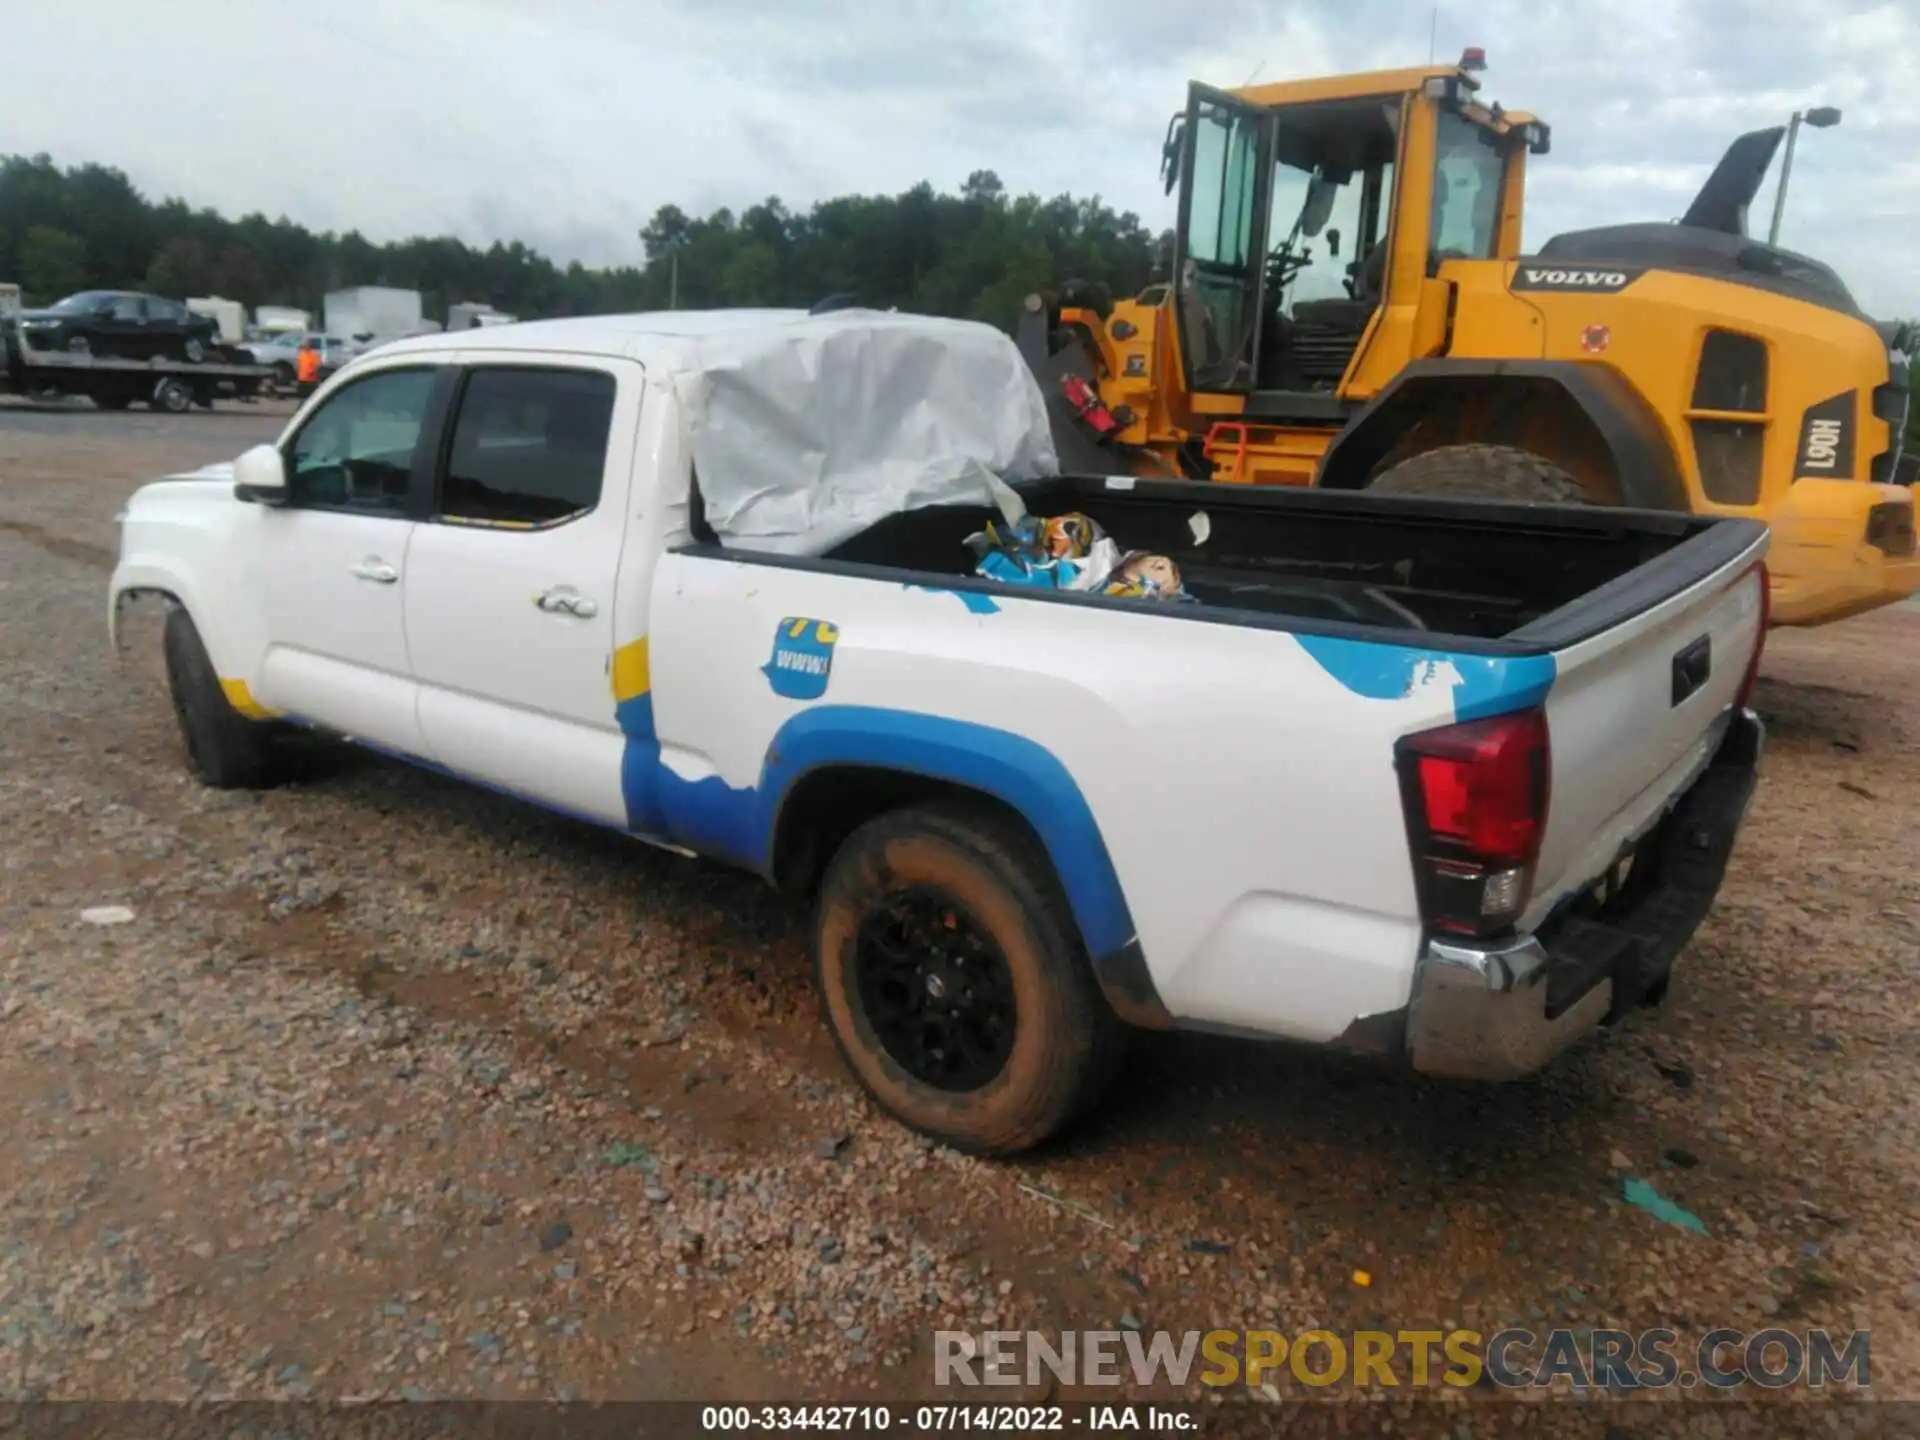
pixel 565 600
pixel 374 569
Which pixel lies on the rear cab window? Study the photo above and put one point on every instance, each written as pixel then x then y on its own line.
pixel 529 446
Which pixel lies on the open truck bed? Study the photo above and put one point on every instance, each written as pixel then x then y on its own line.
pixel 1418 570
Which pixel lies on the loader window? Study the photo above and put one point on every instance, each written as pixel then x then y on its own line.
pixel 1219 270
pixel 1224 155
pixel 1466 189
pixel 1326 262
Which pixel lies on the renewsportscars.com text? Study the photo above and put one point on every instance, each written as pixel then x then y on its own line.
pixel 1365 1359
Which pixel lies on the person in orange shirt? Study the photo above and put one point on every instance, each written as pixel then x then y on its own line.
pixel 307 366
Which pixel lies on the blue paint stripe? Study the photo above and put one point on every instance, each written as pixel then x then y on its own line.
pixel 737 824
pixel 1009 767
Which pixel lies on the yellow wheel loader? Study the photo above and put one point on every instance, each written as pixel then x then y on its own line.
pixel 1350 305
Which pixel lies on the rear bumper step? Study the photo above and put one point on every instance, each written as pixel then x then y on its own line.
pixel 1500 1009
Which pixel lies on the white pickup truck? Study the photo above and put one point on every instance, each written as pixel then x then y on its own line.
pixel 1449 780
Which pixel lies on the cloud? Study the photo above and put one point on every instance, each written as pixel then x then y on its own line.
pixel 566 123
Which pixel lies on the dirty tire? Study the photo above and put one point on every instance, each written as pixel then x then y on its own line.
pixel 224 748
pixel 1483 472
pixel 1066 1042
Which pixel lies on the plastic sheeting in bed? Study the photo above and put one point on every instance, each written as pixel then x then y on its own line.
pixel 807 430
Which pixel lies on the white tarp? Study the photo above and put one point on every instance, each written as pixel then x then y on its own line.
pixel 807 430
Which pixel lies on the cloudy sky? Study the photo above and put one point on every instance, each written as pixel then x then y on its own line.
pixel 565 123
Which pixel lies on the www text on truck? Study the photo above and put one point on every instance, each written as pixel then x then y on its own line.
pixel 1352 305
pixel 1449 782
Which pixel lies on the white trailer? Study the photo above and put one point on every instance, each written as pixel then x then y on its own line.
pixel 230 315
pixel 373 310
pixel 279 319
pixel 469 314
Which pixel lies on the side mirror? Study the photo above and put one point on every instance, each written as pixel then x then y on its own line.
pixel 1170 148
pixel 260 475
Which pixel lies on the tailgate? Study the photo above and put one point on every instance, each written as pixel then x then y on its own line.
pixel 1634 714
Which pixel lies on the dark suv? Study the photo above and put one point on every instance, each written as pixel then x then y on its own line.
pixel 122 322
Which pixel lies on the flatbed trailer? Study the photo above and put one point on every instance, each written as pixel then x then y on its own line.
pixel 171 384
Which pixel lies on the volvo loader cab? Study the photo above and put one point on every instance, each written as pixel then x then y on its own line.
pixel 1349 304
pixel 1287 218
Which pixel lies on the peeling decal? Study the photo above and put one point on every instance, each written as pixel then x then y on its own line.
pixel 1482 685
pixel 802 659
pixel 974 601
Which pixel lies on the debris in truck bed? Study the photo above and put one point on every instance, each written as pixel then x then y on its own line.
pixel 1070 552
pixel 1145 577
pixel 1065 552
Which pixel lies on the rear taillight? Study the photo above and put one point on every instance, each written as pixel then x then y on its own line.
pixel 1752 677
pixel 1476 802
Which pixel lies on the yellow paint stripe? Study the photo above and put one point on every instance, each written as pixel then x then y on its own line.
pixel 241 699
pixel 631 676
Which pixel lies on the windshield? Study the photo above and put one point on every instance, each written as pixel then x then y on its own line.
pixel 84 301
pixel 1466 189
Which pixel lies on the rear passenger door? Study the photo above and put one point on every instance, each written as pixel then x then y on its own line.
pixel 165 331
pixel 121 330
pixel 510 581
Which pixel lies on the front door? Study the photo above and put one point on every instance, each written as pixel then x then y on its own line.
pixel 510 581
pixel 1226 163
pixel 331 566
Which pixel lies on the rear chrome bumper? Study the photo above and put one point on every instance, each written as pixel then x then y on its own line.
pixel 1500 1009
pixel 1480 1012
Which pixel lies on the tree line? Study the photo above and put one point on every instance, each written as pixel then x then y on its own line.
pixel 974 254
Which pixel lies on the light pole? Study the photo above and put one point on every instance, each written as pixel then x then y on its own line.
pixel 673 270
pixel 1821 117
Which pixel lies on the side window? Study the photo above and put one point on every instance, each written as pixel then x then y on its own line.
pixel 165 310
pixel 126 307
pixel 356 452
pixel 529 446
pixel 1466 189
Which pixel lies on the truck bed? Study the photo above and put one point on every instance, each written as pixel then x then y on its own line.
pixel 1469 570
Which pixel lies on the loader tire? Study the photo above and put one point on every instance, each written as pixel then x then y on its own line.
pixel 953 979
pixel 225 749
pixel 1483 472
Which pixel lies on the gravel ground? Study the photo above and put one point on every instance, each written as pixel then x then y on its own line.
pixel 393 1087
